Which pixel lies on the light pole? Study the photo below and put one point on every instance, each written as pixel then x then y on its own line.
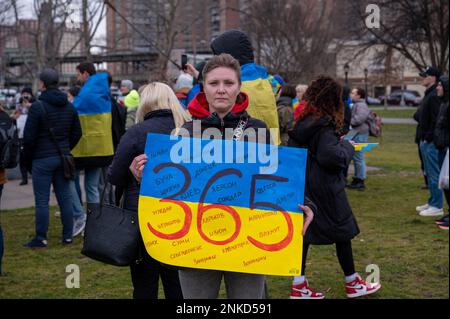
pixel 346 69
pixel 366 72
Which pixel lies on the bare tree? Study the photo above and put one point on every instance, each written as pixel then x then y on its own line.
pixel 47 33
pixel 417 29
pixel 297 39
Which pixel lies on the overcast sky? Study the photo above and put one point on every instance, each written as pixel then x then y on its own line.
pixel 26 13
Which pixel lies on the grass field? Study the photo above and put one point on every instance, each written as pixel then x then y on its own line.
pixel 392 113
pixel 410 251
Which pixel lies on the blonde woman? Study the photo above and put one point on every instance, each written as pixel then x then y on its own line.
pixel 159 112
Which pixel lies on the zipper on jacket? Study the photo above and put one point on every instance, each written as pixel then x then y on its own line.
pixel 222 127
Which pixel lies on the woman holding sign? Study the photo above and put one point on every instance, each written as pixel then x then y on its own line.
pixel 317 129
pixel 222 106
pixel 159 112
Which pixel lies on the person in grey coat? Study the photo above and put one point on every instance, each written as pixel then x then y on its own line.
pixel 360 133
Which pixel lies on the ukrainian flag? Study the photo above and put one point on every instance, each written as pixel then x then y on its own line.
pixel 257 84
pixel 232 216
pixel 93 105
pixel 295 103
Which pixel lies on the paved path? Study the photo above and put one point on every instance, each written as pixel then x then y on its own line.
pixel 16 196
pixel 399 121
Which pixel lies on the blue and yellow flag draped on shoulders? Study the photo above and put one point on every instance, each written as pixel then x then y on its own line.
pixel 93 105
pixel 256 82
pixel 240 214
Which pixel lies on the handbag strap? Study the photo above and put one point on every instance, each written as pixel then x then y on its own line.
pixel 50 130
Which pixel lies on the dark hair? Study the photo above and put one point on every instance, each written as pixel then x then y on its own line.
pixel 74 90
pixel 361 92
pixel 324 99
pixel 27 90
pixel 288 90
pixel 86 67
pixel 223 60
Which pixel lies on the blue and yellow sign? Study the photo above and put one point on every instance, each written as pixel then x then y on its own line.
pixel 223 205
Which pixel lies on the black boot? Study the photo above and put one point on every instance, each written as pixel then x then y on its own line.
pixel 359 184
pixel 24 182
pixel 353 183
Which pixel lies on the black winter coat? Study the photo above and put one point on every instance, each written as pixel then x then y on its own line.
pixel 61 116
pixel 441 135
pixel 131 145
pixel 426 115
pixel 229 121
pixel 325 182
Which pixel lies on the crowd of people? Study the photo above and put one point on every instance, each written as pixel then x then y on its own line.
pixel 107 137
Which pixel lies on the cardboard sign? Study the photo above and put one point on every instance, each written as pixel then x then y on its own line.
pixel 223 205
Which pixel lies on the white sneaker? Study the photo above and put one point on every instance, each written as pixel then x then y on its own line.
pixel 422 207
pixel 78 225
pixel 432 211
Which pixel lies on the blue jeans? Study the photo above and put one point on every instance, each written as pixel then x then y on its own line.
pixel 91 181
pixel 77 205
pixel 358 158
pixel 430 156
pixel 46 171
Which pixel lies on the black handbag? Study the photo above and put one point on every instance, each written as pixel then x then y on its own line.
pixel 68 162
pixel 111 234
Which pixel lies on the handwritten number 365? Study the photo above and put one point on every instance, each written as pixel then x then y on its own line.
pixel 202 208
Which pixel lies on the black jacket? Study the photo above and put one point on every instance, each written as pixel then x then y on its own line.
pixel 229 121
pixel 119 118
pixel 426 115
pixel 441 131
pixel 131 145
pixel 441 135
pixel 61 116
pixel 325 182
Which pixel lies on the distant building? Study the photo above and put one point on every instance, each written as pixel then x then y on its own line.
pixel 197 23
pixel 18 46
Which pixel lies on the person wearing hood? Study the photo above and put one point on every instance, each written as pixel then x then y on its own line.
pixel 131 104
pixel 441 138
pixel 256 82
pixel 318 130
pixel 222 105
pixel 52 111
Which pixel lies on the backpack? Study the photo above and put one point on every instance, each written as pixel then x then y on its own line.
pixel 9 144
pixel 375 123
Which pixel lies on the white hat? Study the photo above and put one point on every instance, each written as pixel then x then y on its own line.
pixel 184 81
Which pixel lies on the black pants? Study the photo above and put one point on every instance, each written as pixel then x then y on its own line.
pixel 145 278
pixel 344 253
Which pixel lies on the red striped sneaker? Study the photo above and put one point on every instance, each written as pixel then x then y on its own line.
pixel 302 291
pixel 359 287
